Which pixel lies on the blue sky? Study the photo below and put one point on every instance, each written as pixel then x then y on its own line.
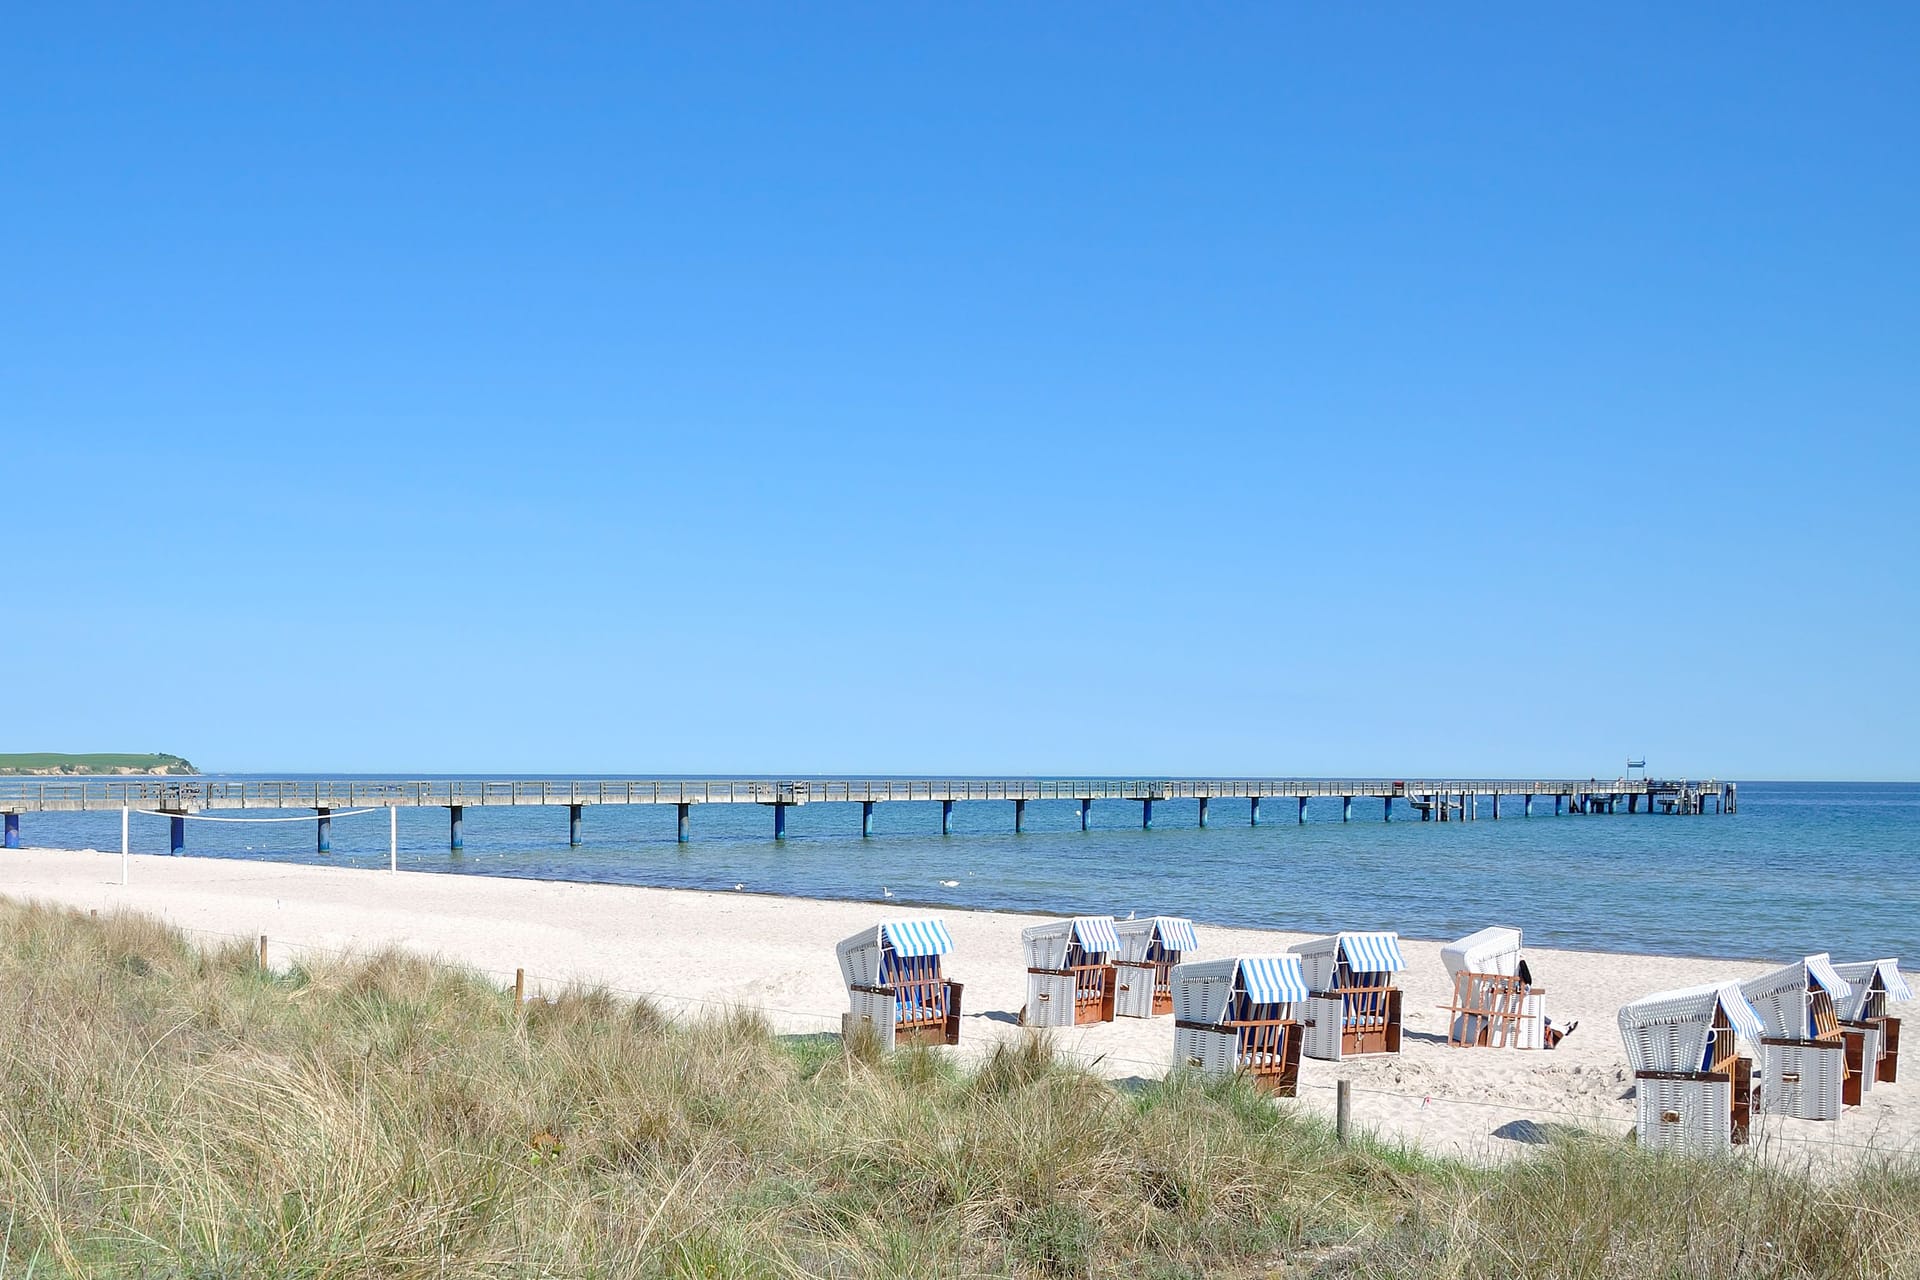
pixel 1080 390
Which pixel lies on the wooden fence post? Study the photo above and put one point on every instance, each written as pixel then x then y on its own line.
pixel 519 990
pixel 263 951
pixel 1342 1102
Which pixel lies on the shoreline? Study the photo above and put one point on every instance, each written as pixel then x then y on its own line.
pixel 697 949
pixel 341 863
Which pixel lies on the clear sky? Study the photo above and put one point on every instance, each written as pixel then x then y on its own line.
pixel 1040 389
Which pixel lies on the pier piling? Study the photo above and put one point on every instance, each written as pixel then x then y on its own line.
pixel 1526 806
pixel 1086 807
pixel 946 817
pixel 456 826
pixel 1346 808
pixel 779 821
pixel 1303 811
pixel 866 819
pixel 176 834
pixel 573 824
pixel 683 822
pixel 1496 806
pixel 323 832
pixel 1019 816
pixel 1386 809
pixel 12 838
pixel 1203 811
pixel 1253 816
pixel 1146 815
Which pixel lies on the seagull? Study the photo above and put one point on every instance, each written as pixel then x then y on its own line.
pixel 740 886
pixel 1129 915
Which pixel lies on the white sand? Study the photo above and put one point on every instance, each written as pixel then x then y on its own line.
pixel 709 950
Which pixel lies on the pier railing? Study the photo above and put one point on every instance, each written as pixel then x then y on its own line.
pixel 192 794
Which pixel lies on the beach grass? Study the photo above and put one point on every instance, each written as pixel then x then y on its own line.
pixel 172 1111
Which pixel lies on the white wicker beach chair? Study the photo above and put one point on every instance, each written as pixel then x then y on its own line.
pixel 1494 1004
pixel 1238 1015
pixel 1070 972
pixel 1149 949
pixel 1354 1007
pixel 1810 1066
pixel 1875 983
pixel 1693 1086
pixel 895 984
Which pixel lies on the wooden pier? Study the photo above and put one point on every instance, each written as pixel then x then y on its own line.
pixel 1442 800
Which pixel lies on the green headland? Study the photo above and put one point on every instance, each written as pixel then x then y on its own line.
pixel 111 762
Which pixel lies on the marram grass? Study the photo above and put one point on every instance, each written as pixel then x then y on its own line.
pixel 166 1111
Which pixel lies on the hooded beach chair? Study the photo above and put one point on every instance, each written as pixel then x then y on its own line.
pixel 895 983
pixel 1693 1087
pixel 1148 951
pixel 1354 1007
pixel 1495 1003
pixel 1875 983
pixel 1810 1066
pixel 1237 1015
pixel 1070 972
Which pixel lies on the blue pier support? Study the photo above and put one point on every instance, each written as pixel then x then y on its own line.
pixel 573 824
pixel 1496 806
pixel 683 822
pixel 323 832
pixel 1086 808
pixel 1146 815
pixel 13 831
pixel 176 834
pixel 1526 807
pixel 866 818
pixel 779 822
pixel 456 826
pixel 1633 804
pixel 1303 811
pixel 946 817
pixel 1557 801
pixel 1019 816
pixel 1253 811
pixel 1203 811
pixel 1346 808
pixel 1386 809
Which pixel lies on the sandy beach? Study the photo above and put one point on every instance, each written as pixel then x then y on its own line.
pixel 696 951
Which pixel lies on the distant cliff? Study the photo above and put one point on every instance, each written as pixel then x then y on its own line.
pixel 55 764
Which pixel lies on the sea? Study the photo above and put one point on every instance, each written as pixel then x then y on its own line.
pixel 1802 866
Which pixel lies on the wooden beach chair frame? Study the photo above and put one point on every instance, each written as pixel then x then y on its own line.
pixel 1811 1066
pixel 1149 950
pixel 1875 983
pixel 1069 962
pixel 1493 1007
pixel 897 986
pixel 1354 1008
pixel 1693 1086
pixel 1236 1016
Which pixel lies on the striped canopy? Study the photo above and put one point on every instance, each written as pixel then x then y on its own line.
pixel 1096 933
pixel 918 937
pixel 1176 933
pixel 1372 952
pixel 1272 979
pixel 1896 982
pixel 1820 969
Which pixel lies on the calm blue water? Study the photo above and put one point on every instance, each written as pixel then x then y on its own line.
pixel 1802 867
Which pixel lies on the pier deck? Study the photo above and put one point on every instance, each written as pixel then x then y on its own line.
pixel 1444 800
